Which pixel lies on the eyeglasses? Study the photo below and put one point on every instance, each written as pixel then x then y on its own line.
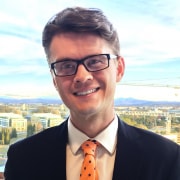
pixel 68 67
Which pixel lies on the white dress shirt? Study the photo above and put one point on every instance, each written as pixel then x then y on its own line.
pixel 105 154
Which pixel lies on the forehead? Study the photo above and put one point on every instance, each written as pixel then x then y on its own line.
pixel 77 45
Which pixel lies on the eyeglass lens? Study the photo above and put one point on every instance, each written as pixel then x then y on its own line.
pixel 92 63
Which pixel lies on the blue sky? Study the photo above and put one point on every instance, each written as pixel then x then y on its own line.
pixel 150 43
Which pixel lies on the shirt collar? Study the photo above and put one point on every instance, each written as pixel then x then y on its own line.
pixel 107 138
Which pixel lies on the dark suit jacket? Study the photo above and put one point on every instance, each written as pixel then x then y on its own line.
pixel 140 155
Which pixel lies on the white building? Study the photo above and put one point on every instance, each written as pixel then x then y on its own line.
pixel 46 119
pixel 11 120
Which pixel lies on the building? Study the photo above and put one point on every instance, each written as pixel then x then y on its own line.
pixel 141 112
pixel 11 120
pixel 46 120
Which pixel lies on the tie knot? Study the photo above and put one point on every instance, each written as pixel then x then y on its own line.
pixel 89 147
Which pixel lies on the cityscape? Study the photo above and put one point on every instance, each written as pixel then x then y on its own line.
pixel 20 119
pixel 150 39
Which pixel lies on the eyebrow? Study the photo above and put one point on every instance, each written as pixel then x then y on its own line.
pixel 73 59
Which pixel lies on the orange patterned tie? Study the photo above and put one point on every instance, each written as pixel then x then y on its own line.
pixel 88 170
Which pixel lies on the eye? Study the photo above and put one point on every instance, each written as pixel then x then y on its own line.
pixel 95 62
pixel 67 65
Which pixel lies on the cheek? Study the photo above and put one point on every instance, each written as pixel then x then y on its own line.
pixel 108 81
pixel 62 86
pixel 111 81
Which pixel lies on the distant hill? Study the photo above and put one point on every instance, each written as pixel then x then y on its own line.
pixel 118 101
pixel 139 102
pixel 10 100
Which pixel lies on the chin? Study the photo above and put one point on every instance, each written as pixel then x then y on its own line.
pixel 87 111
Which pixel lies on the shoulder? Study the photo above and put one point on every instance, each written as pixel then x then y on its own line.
pixel 147 140
pixel 32 154
pixel 156 156
pixel 47 138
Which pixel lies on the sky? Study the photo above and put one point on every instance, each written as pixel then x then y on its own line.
pixel 149 33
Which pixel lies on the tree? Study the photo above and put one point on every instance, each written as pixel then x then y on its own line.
pixel 14 133
pixel 129 121
pixel 55 111
pixel 30 129
pixel 0 137
pixel 5 135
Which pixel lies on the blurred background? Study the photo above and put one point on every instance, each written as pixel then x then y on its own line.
pixel 149 35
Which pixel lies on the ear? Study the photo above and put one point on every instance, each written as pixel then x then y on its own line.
pixel 120 68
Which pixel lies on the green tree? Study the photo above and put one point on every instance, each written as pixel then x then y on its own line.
pixel 2 136
pixel 129 121
pixel 14 133
pixel 30 129
pixel 6 136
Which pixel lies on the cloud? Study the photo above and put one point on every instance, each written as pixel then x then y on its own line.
pixel 16 70
pixel 150 43
pixel 149 34
pixel 148 93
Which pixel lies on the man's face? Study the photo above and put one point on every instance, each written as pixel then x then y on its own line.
pixel 85 92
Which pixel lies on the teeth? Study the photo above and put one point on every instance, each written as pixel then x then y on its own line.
pixel 86 92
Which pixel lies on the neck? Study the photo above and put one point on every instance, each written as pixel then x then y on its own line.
pixel 92 125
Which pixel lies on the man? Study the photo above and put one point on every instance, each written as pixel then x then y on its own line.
pixel 83 53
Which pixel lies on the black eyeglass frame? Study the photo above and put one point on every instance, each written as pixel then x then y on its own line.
pixel 81 61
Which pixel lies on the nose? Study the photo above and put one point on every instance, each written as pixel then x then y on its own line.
pixel 82 75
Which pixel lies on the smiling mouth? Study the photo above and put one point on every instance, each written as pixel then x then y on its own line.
pixel 84 93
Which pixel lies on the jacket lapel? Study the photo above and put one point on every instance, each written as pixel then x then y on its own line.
pixel 128 154
pixel 62 139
